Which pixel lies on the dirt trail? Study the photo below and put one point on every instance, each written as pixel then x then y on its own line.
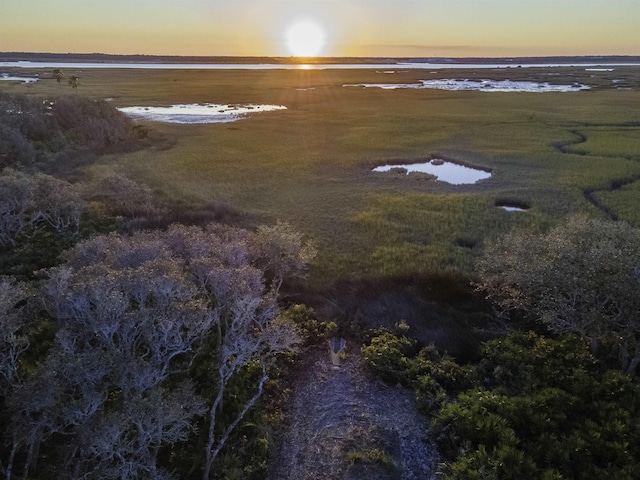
pixel 347 425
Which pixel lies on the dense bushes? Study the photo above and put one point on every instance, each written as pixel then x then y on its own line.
pixel 35 132
pixel 398 359
pixel 547 411
pixel 93 123
pixel 156 341
pixel 532 407
pixel 581 277
pixel 29 202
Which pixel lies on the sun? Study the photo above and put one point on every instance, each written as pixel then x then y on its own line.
pixel 305 38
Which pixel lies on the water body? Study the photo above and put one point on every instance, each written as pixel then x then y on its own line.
pixel 272 66
pixel 479 85
pixel 6 76
pixel 198 113
pixel 444 171
pixel 512 209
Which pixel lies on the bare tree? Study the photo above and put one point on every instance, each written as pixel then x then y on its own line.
pixel 29 201
pixel 13 343
pixel 123 196
pixel 56 203
pixel 248 332
pixel 284 253
pixel 131 312
pixel 127 320
pixel 16 200
pixel 13 337
pixel 245 311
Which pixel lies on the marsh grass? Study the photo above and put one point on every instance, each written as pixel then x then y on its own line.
pixel 611 141
pixel 310 164
pixel 624 201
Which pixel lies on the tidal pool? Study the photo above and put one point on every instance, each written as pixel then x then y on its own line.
pixel 443 170
pixel 198 113
pixel 513 205
pixel 511 209
pixel 479 85
pixel 6 76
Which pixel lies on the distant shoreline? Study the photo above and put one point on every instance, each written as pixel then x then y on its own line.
pixel 109 58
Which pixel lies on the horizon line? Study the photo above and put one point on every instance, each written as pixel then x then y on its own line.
pixel 314 59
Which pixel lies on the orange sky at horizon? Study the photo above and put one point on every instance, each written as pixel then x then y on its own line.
pixel 378 28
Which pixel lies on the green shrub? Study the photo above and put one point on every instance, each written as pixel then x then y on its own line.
pixel 312 330
pixel 546 406
pixel 389 356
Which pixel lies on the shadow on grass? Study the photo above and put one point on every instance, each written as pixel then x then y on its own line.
pixel 439 309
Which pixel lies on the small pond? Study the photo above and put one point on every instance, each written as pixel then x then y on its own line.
pixel 511 209
pixel 198 113
pixel 6 76
pixel 479 85
pixel 443 170
pixel 513 206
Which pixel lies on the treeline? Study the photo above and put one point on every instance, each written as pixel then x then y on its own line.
pixel 557 402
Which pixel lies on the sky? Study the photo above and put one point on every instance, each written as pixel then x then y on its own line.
pixel 380 28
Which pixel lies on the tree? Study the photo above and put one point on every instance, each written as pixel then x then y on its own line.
pixel 132 315
pixel 13 337
pixel 284 253
pixel 57 204
pixel 74 81
pixel 582 277
pixel 248 329
pixel 16 200
pixel 123 196
pixel 58 75
pixel 13 343
pixel 28 202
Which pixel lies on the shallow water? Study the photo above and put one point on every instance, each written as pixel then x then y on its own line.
pixel 448 172
pixel 6 76
pixel 479 85
pixel 198 113
pixel 511 209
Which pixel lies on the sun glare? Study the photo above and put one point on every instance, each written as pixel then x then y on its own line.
pixel 305 38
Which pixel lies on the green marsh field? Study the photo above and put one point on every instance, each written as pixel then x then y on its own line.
pixel 310 165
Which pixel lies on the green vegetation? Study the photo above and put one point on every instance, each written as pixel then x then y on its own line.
pixel 531 407
pixel 546 405
pixel 44 134
pixel 536 406
pixel 309 165
pixel 581 277
pixel 551 413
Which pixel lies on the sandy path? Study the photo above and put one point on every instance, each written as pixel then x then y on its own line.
pixel 338 413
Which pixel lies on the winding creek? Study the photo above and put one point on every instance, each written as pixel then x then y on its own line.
pixel 615 184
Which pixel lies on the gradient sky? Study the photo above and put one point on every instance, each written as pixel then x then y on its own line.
pixel 445 28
